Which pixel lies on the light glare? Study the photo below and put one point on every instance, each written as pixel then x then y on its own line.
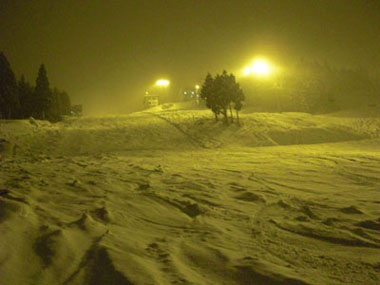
pixel 260 67
pixel 162 82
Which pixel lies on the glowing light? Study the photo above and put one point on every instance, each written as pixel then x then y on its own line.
pixel 197 86
pixel 162 82
pixel 260 67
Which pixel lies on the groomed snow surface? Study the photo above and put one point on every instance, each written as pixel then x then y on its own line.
pixel 169 196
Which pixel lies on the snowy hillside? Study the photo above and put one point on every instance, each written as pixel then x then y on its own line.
pixel 172 197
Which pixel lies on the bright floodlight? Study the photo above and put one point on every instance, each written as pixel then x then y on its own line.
pixel 162 82
pixel 197 87
pixel 260 67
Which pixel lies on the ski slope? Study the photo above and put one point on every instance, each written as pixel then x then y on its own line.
pixel 173 197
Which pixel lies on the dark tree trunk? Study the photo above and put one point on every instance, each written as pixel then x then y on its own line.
pixel 225 116
pixel 216 117
pixel 232 116
pixel 237 117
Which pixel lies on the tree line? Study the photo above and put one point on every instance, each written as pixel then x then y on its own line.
pixel 222 94
pixel 20 100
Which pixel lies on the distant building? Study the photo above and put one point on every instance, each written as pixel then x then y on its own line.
pixel 150 100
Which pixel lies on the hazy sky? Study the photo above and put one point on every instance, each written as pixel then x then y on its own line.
pixel 107 53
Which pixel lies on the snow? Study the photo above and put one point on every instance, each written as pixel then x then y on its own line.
pixel 170 196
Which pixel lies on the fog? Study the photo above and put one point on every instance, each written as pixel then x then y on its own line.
pixel 107 54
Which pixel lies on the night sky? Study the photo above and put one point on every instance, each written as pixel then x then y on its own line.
pixel 105 54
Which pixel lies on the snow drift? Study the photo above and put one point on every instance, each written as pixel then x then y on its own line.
pixel 172 197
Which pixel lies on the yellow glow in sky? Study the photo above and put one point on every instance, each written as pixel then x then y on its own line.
pixel 162 82
pixel 260 67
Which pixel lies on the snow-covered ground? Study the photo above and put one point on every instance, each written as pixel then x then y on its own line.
pixel 172 197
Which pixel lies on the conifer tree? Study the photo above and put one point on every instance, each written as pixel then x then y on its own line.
pixel 229 93
pixel 43 95
pixel 221 93
pixel 9 101
pixel 223 96
pixel 226 89
pixel 208 94
pixel 25 91
pixel 238 101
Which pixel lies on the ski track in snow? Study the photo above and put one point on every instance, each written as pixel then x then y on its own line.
pixel 130 200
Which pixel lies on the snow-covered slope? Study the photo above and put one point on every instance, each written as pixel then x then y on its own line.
pixel 171 197
pixel 182 130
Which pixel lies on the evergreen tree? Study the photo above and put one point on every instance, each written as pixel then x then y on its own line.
pixel 208 94
pixel 238 98
pixel 236 95
pixel 221 94
pixel 43 95
pixel 9 101
pixel 229 93
pixel 25 91
pixel 21 100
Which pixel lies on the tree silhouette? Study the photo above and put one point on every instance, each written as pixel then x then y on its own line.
pixel 43 95
pixel 221 93
pixel 21 100
pixel 9 101
pixel 208 94
pixel 237 99
pixel 25 91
